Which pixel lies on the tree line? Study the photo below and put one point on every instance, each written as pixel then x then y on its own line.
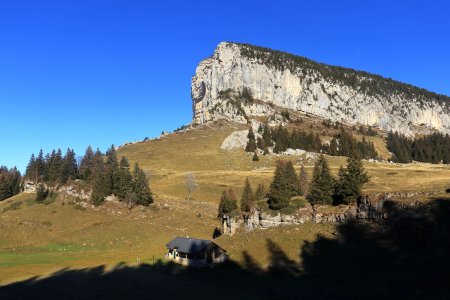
pixel 281 139
pixel 433 148
pixel 367 83
pixel 104 174
pixel 10 182
pixel 287 185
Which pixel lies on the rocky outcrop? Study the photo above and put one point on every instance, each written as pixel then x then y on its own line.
pixel 380 207
pixel 241 81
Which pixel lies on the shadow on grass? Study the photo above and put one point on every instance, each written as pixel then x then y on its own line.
pixel 406 257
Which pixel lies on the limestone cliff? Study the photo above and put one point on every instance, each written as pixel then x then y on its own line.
pixel 241 81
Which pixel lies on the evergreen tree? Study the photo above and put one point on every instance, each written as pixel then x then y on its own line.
pixel 251 144
pixel 267 136
pixel 284 185
pixel 261 192
pixel 41 193
pixel 303 181
pixel 87 164
pixel 123 183
pixel 260 143
pixel 255 157
pixel 227 203
pixel 112 170
pixel 322 185
pixel 351 180
pixel 141 187
pixel 40 167
pixel 69 168
pixel 31 172
pixel 248 198
pixel 10 182
pixel 54 167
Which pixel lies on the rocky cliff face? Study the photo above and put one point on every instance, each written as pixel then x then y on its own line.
pixel 242 81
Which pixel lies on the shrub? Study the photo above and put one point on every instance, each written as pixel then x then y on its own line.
pixel 289 210
pixel 41 193
pixel 298 202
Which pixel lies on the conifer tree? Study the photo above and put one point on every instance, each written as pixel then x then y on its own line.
pixel 112 173
pixel 141 187
pixel 260 192
pixel 227 203
pixel 41 193
pixel 322 185
pixel 351 180
pixel 251 144
pixel 267 136
pixel 69 168
pixel 303 181
pixel 123 183
pixel 248 198
pixel 30 172
pixel 54 167
pixel 40 166
pixel 284 185
pixel 255 157
pixel 87 164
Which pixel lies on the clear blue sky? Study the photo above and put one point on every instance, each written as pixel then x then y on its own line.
pixel 79 73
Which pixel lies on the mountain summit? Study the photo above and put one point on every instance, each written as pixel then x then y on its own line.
pixel 242 81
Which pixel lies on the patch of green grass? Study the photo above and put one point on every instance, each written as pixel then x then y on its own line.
pixel 13 206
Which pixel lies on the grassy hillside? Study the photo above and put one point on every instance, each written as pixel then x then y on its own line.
pixel 40 239
pixel 167 160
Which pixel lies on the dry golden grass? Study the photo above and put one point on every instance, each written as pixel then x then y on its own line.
pixel 198 151
pixel 37 239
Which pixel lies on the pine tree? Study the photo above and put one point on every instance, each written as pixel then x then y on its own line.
pixel 40 167
pixel 69 168
pixel 260 192
pixel 30 172
pixel 351 180
pixel 123 183
pixel 41 193
pixel 248 198
pixel 112 171
pixel 251 144
pixel 267 136
pixel 87 164
pixel 255 157
pixel 227 203
pixel 284 185
pixel 54 167
pixel 141 187
pixel 303 181
pixel 322 185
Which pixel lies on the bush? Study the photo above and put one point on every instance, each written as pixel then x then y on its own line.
pixel 50 198
pixel 289 210
pixel 298 202
pixel 41 193
pixel 447 190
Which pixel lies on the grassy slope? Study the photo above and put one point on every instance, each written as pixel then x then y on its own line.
pixel 38 239
pixel 168 159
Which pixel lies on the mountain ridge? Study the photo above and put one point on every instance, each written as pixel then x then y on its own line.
pixel 276 78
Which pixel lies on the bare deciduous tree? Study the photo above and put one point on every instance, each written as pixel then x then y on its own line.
pixel 191 183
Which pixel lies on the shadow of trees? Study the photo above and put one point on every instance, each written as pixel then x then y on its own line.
pixel 406 257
